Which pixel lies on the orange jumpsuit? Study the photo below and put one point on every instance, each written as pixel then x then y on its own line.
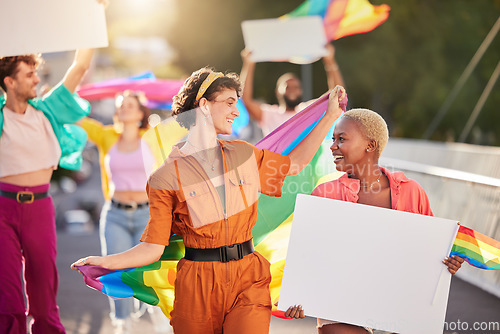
pixel 216 297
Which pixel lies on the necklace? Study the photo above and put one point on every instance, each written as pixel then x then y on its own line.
pixel 371 185
pixel 212 165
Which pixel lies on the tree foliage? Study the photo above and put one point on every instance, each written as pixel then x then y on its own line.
pixel 404 69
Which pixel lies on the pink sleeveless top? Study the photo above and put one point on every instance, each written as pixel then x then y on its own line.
pixel 28 143
pixel 129 171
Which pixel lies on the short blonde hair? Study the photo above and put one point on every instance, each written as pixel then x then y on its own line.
pixel 372 125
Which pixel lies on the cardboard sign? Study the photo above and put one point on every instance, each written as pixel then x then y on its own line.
pixel 30 26
pixel 299 40
pixel 368 266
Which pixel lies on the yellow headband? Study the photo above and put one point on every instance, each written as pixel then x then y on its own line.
pixel 207 82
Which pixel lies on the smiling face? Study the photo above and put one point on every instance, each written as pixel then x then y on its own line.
pixel 23 83
pixel 128 110
pixel 223 111
pixel 349 146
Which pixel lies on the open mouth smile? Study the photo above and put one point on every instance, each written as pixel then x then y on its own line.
pixel 337 158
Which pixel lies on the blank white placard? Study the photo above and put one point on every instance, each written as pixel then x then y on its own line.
pixel 368 266
pixel 299 40
pixel 30 26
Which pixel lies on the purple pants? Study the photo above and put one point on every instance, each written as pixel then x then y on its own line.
pixel 28 238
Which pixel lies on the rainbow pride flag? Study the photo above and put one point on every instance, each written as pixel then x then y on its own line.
pixel 154 284
pixel 477 249
pixel 344 17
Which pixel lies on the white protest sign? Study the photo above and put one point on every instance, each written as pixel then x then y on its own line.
pixel 299 40
pixel 30 26
pixel 368 266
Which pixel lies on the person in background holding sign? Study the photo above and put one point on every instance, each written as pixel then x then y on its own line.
pixel 207 192
pixel 288 92
pixel 359 138
pixel 126 162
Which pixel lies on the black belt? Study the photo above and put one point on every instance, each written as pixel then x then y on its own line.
pixel 223 254
pixel 129 206
pixel 23 196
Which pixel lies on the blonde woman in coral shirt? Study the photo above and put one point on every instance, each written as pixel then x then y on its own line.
pixel 359 138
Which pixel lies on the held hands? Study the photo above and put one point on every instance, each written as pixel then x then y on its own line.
pixel 336 95
pixel 453 263
pixel 93 260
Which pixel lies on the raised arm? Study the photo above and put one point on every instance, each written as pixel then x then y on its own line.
pixel 141 255
pixel 77 70
pixel 302 154
pixel 246 77
pixel 333 75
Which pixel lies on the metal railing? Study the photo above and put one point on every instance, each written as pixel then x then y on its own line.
pixel 470 198
pixel 447 173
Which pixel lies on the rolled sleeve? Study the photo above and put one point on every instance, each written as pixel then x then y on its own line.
pixel 65 107
pixel 160 216
pixel 273 168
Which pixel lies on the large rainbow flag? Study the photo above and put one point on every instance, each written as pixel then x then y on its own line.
pixel 477 249
pixel 154 284
pixel 344 17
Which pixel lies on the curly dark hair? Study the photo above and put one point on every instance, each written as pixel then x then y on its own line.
pixel 186 98
pixel 9 66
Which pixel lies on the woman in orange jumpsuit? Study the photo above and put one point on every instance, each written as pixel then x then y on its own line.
pixel 206 192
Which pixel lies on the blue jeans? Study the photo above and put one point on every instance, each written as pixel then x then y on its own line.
pixel 120 230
